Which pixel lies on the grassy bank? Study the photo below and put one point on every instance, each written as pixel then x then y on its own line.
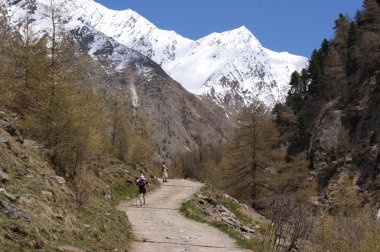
pixel 192 209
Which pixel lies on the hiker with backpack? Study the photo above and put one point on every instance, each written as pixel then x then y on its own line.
pixel 142 183
pixel 164 172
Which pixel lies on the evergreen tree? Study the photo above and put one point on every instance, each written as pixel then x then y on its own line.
pixel 369 43
pixel 341 30
pixel 370 17
pixel 316 68
pixel 297 92
pixel 352 49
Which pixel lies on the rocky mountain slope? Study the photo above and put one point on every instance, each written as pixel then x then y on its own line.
pixel 346 140
pixel 231 67
pixel 38 209
pixel 177 119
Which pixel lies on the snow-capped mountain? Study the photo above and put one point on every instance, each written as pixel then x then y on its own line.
pixel 231 67
pixel 176 119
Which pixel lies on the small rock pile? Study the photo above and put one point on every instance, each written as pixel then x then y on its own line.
pixel 219 213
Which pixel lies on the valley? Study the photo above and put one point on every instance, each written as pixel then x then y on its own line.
pixel 266 151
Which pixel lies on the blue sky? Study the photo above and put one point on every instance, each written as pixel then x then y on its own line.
pixel 296 26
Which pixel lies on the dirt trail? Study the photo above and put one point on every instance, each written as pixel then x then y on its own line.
pixel 159 226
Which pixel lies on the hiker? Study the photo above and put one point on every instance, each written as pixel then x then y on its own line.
pixel 142 183
pixel 164 172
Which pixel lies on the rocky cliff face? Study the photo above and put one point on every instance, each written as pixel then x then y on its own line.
pixel 177 120
pixel 346 139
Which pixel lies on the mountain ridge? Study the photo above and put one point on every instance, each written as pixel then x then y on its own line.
pixel 231 67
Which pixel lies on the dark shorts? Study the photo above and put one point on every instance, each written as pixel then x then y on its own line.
pixel 142 189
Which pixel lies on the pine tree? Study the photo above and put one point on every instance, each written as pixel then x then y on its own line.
pixel 352 64
pixel 316 69
pixel 297 92
pixel 341 31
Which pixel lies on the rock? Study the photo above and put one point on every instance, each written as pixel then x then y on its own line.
pixel 32 144
pixel 60 180
pixel 59 217
pixel 348 159
pixel 211 201
pixel 222 209
pixel 4 176
pixel 13 211
pixel 39 245
pixel 47 195
pixel 21 230
pixel 231 221
pixel 10 196
pixel 378 214
pixel 13 131
pixel 108 197
pixel 70 249
pixel 230 198
pixel 326 138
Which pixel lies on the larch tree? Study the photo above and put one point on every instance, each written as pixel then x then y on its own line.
pixel 334 77
pixel 253 140
pixel 122 130
pixel 369 30
pixel 341 27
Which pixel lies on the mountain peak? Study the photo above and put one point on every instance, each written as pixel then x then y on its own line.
pixel 240 37
pixel 242 29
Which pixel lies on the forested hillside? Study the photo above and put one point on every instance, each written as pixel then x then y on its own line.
pixel 68 152
pixel 312 166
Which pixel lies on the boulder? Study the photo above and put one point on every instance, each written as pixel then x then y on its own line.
pixel 4 176
pixel 70 249
pixel 12 130
pixel 13 211
pixel 108 198
pixel 32 144
pixel 48 196
pixel 60 180
pixel 10 196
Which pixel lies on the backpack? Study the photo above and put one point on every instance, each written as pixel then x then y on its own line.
pixel 141 182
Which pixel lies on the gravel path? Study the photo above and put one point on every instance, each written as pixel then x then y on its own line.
pixel 159 226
